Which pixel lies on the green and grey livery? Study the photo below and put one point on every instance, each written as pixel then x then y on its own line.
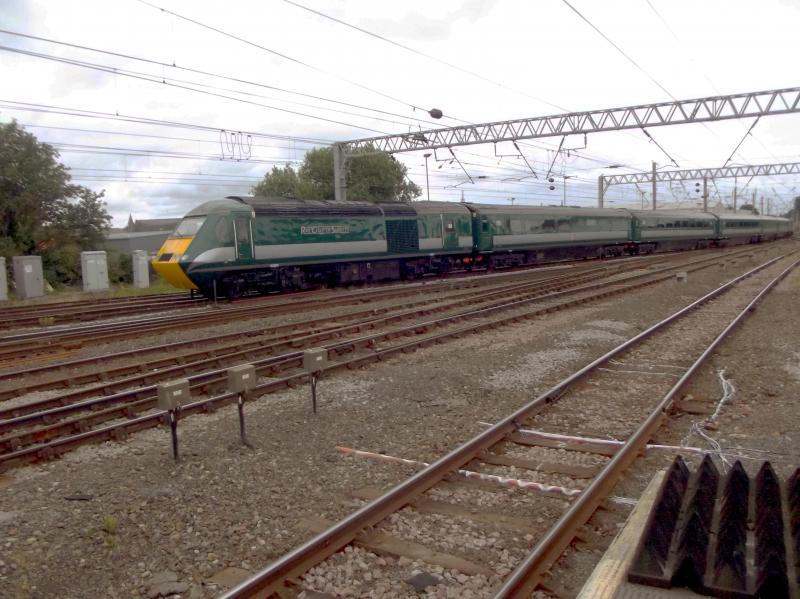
pixel 242 243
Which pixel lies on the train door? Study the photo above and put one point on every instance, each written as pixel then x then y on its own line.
pixel 244 238
pixel 635 232
pixel 449 232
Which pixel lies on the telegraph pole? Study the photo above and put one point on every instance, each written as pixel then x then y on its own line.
pixel 654 185
pixel 734 194
pixel 339 173
pixel 600 190
pixel 427 181
pixel 705 194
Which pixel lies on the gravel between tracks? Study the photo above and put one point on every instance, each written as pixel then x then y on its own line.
pixel 123 513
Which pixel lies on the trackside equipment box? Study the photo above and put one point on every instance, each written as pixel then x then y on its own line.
pixel 141 269
pixel 94 271
pixel 3 280
pixel 28 276
pixel 315 360
pixel 173 394
pixel 241 378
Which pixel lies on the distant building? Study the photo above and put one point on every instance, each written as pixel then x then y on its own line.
pixel 144 234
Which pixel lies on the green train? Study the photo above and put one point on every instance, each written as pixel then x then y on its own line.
pixel 239 244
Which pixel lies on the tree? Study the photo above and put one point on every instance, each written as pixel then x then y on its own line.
pixel 749 207
pixel 40 210
pixel 281 182
pixel 33 187
pixel 370 178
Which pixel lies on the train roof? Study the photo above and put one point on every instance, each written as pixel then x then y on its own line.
pixel 293 207
pixel 440 207
pixel 688 214
pixel 215 207
pixel 745 216
pixel 547 210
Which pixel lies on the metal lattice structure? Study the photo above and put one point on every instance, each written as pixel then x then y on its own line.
pixel 698 110
pixel 788 168
pixel 763 103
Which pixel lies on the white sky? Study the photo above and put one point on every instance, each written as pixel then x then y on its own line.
pixel 540 55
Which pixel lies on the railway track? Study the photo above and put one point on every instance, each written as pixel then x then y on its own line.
pixel 47 427
pixel 475 546
pixel 59 344
pixel 59 313
pixel 268 339
pixel 56 343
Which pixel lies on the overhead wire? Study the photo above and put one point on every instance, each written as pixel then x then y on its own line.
pixel 52 109
pixel 147 135
pixel 632 61
pixel 282 55
pixel 620 50
pixel 206 73
pixel 420 53
pixel 425 55
pixel 744 137
pixel 162 81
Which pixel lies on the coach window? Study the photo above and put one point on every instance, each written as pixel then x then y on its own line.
pixel 223 232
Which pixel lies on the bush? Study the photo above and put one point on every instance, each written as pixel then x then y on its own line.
pixel 62 265
pixel 120 267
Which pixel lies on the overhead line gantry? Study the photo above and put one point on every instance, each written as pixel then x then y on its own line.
pixel 704 174
pixel 698 110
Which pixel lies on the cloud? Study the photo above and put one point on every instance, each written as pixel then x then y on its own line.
pixel 420 26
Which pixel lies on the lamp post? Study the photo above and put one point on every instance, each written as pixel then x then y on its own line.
pixel 427 181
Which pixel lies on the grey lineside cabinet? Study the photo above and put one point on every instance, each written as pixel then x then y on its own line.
pixel 28 276
pixel 3 280
pixel 94 271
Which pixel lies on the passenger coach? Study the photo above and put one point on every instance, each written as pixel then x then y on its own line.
pixel 239 244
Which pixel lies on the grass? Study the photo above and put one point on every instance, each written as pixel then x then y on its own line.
pixel 67 294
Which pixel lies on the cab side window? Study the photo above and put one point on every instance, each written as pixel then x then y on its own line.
pixel 242 229
pixel 223 232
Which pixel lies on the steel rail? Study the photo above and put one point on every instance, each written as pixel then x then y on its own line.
pixel 32 307
pixel 524 579
pixel 9 342
pixel 272 329
pixel 28 414
pixel 45 339
pixel 328 542
pixel 90 312
pixel 458 284
pixel 284 362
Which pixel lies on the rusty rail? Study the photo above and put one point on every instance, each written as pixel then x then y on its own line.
pixel 137 400
pixel 328 542
pixel 523 580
